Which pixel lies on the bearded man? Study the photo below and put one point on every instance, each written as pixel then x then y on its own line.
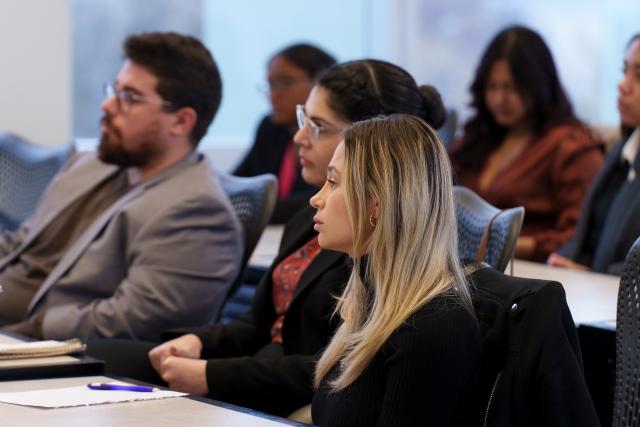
pixel 138 237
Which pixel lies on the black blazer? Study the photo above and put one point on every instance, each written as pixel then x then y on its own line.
pixel 265 156
pixel 532 372
pixel 623 220
pixel 277 383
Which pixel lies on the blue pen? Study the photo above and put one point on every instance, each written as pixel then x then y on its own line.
pixel 122 387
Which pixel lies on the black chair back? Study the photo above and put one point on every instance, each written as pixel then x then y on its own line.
pixel 626 407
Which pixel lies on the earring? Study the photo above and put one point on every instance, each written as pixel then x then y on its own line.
pixel 371 221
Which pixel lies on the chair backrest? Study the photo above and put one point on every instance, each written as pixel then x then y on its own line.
pixel 25 171
pixel 253 199
pixel 474 215
pixel 626 409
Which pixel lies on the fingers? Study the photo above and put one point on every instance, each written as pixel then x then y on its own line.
pixel 158 354
pixel 168 371
pixel 186 375
pixel 553 259
pixel 186 346
pixel 560 261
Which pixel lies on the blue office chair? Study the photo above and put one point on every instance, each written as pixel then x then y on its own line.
pixel 253 199
pixel 626 407
pixel 25 171
pixel 486 233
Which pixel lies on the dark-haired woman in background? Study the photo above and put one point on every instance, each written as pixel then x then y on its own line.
pixel 610 221
pixel 291 74
pixel 524 146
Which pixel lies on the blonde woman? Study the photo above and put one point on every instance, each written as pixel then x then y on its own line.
pixel 408 347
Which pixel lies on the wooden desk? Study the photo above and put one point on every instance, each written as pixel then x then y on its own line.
pixel 179 411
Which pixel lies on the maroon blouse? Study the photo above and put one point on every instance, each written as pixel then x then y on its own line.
pixel 285 278
pixel 550 178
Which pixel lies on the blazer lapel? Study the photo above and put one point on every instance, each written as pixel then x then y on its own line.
pixel 63 199
pixel 80 245
pixel 319 265
pixel 581 232
pixel 290 245
pixel 621 212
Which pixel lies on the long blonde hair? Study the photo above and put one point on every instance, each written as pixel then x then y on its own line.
pixel 399 163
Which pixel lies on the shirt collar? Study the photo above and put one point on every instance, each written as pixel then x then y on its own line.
pixel 630 152
pixel 133 174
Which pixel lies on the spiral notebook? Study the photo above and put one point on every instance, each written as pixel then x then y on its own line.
pixel 37 364
pixel 24 350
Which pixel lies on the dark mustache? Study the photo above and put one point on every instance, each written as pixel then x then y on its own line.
pixel 106 120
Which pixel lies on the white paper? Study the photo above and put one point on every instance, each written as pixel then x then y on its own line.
pixel 81 396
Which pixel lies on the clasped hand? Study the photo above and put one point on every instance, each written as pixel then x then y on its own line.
pixel 178 364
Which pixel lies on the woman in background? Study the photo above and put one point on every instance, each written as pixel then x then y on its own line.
pixel 264 360
pixel 610 219
pixel 291 75
pixel 408 348
pixel 524 146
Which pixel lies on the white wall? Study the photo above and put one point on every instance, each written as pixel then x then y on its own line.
pixel 35 69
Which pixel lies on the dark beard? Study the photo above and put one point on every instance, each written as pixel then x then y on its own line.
pixel 115 154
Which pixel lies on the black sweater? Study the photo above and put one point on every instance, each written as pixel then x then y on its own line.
pixel 424 374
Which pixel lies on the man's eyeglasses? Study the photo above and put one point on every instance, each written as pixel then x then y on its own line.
pixel 281 84
pixel 315 130
pixel 126 99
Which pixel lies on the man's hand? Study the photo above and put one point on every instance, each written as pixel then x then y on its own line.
pixel 187 346
pixel 186 375
pixel 31 327
pixel 560 261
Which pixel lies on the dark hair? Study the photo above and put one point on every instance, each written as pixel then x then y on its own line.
pixel 536 79
pixel 310 58
pixel 626 131
pixel 187 74
pixel 360 90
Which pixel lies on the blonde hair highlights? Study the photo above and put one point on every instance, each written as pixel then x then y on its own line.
pixel 399 163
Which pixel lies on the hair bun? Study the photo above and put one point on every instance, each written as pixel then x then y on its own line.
pixel 434 111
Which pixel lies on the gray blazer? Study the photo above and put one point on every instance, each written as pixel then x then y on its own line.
pixel 162 256
pixel 623 220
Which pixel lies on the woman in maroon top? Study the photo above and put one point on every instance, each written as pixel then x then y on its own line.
pixel 524 146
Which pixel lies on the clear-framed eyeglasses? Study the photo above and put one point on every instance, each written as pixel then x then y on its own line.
pixel 126 99
pixel 315 130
